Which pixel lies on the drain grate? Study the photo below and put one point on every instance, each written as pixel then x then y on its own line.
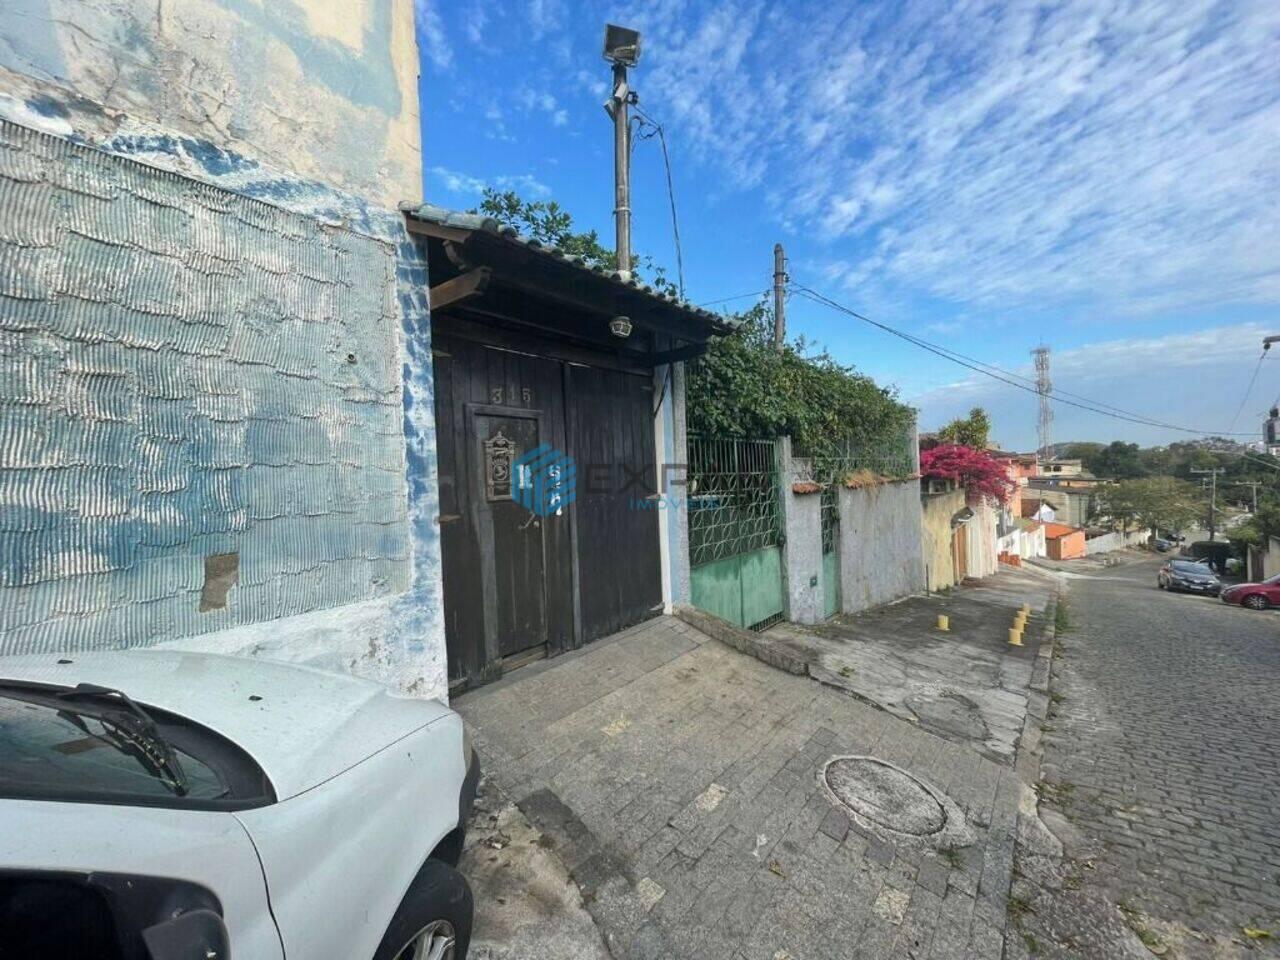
pixel 880 794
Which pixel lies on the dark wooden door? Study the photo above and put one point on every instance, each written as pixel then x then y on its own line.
pixel 611 437
pixel 508 576
pixel 513 571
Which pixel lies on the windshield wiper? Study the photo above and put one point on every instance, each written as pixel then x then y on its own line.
pixel 138 729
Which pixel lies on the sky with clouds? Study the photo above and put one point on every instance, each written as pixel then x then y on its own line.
pixel 1102 176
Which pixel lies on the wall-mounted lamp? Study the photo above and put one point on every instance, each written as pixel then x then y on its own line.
pixel 620 327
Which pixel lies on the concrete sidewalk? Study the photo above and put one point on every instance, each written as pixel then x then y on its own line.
pixel 686 788
pixel 968 684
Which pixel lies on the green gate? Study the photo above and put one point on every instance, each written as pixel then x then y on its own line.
pixel 735 530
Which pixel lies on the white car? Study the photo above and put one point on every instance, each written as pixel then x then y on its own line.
pixel 160 805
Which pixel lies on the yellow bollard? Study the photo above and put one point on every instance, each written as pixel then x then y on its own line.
pixel 1025 609
pixel 1020 620
pixel 944 622
pixel 1015 636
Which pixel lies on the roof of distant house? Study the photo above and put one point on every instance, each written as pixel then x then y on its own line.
pixel 1054 531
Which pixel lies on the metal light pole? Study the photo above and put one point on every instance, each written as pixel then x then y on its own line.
pixel 622 49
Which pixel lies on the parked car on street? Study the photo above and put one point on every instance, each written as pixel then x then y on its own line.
pixel 1162 546
pixel 1258 596
pixel 1192 576
pixel 158 805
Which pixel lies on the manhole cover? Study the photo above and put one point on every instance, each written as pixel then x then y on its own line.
pixel 883 794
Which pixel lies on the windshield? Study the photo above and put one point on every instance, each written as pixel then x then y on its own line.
pixel 1191 566
pixel 62 744
pixel 65 749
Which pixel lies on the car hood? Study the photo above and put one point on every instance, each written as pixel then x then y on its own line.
pixel 308 725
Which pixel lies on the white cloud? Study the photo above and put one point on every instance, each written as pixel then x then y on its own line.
pixel 431 35
pixel 1119 153
pixel 464 184
pixel 456 182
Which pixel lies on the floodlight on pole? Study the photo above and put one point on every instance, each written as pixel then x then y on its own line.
pixel 621 45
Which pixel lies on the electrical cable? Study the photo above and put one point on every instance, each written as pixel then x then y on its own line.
pixel 1004 377
pixel 1248 390
pixel 736 296
pixel 671 190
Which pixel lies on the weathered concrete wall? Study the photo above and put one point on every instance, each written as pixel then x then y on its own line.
pixel 802 546
pixel 983 541
pixel 186 373
pixel 311 107
pixel 325 90
pixel 1115 540
pixel 881 548
pixel 939 562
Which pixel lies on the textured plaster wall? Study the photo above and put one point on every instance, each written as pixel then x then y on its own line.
pixel 937 511
pixel 881 550
pixel 185 373
pixel 311 107
pixel 323 89
pixel 397 635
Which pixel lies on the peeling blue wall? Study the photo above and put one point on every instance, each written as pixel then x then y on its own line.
pixel 187 371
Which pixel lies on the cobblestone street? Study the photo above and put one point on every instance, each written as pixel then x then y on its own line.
pixel 1163 752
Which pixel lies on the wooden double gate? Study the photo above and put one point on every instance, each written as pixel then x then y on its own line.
pixel 518 585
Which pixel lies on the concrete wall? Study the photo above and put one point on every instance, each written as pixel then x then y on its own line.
pixel 983 541
pixel 881 544
pixel 1116 540
pixel 324 90
pixel 936 537
pixel 1033 543
pixel 216 328
pixel 802 548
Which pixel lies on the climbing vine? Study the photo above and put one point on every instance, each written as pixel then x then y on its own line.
pixel 742 386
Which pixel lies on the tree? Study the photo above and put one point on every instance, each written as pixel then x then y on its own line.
pixel 1118 459
pixel 551 225
pixel 982 476
pixel 972 431
pixel 1160 503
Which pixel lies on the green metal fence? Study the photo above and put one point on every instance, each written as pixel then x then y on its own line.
pixel 735 529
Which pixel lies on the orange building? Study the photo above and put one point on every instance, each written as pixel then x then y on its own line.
pixel 1063 542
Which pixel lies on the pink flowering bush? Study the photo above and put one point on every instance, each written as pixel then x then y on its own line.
pixel 982 476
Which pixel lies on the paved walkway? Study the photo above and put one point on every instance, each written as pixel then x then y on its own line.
pixel 1163 755
pixel 967 685
pixel 679 781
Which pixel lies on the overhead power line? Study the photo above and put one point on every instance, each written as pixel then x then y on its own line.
pixel 736 296
pixel 1059 396
pixel 671 190
pixel 1249 389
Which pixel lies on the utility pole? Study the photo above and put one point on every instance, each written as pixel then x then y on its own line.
pixel 779 298
pixel 1253 485
pixel 622 48
pixel 1213 495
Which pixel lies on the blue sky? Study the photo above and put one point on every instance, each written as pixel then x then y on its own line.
pixel 1100 176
